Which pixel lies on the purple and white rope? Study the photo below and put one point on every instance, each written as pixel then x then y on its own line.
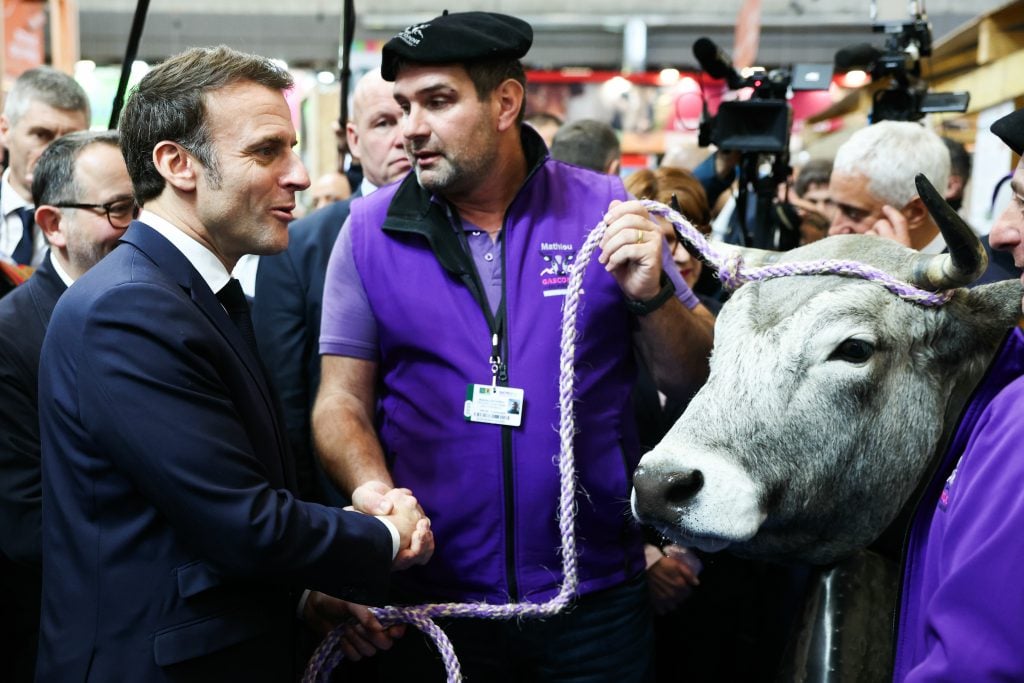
pixel 733 274
pixel 328 655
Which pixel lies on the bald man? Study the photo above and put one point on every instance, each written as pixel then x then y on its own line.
pixel 290 285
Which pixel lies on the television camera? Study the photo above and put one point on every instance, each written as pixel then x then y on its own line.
pixel 758 129
pixel 906 42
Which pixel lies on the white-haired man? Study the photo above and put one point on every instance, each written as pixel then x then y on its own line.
pixel 872 184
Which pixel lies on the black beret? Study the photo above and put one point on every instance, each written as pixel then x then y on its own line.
pixel 458 37
pixel 1010 129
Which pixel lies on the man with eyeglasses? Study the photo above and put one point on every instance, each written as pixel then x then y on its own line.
pixel 83 200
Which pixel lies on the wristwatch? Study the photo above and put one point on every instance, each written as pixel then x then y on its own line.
pixel 641 308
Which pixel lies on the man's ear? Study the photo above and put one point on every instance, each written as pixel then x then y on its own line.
pixel 509 96
pixel 176 165
pixel 916 213
pixel 50 220
pixel 352 139
pixel 5 126
pixel 955 186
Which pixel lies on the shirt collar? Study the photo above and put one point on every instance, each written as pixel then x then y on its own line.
pixel 202 259
pixel 366 187
pixel 61 273
pixel 10 200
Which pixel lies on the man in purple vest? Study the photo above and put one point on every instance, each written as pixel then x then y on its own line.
pixel 961 615
pixel 440 338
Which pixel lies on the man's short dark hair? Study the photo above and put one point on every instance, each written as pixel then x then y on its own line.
pixel 487 75
pixel 168 104
pixel 814 172
pixel 47 85
pixel 959 159
pixel 588 143
pixel 53 180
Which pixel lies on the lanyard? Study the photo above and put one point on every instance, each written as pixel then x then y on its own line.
pixel 495 319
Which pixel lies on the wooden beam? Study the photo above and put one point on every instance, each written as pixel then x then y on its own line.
pixel 989 84
pixel 950 64
pixel 64 43
pixel 997 39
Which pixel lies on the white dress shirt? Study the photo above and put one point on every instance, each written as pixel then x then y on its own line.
pixel 12 229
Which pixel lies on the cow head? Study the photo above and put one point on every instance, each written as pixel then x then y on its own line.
pixel 827 397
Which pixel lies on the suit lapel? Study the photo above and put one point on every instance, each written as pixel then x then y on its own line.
pixel 172 262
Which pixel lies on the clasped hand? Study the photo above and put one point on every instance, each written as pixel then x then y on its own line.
pixel 400 507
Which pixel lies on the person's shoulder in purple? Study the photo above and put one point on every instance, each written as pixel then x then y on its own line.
pixel 962 608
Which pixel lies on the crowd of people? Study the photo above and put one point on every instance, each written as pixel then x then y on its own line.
pixel 191 492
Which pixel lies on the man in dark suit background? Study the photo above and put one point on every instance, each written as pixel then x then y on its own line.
pixel 87 170
pixel 43 105
pixel 174 548
pixel 290 285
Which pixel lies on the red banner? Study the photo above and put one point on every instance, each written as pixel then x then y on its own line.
pixel 24 48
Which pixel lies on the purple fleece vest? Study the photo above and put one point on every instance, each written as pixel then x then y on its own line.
pixel 491 492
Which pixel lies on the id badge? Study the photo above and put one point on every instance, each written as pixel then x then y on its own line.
pixel 494 405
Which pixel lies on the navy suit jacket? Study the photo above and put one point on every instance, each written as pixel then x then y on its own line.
pixel 286 316
pixel 173 546
pixel 24 315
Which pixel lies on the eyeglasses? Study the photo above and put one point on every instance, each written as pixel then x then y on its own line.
pixel 119 212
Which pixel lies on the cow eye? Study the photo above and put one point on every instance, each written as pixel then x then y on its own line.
pixel 853 351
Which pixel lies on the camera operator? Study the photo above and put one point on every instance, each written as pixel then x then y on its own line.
pixel 766 220
pixel 752 137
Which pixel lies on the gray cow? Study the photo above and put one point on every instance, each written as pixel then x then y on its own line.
pixel 828 401
pixel 827 397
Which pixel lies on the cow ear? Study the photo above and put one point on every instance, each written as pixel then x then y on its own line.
pixel 969 329
pixel 999 302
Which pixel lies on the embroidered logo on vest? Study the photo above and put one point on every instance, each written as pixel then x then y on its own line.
pixel 947 491
pixel 558 257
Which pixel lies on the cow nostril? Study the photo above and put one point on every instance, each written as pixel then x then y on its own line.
pixel 682 486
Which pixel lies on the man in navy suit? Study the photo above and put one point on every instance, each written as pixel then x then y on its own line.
pixel 83 201
pixel 290 285
pixel 174 548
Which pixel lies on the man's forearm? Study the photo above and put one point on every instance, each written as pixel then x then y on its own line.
pixel 675 342
pixel 346 443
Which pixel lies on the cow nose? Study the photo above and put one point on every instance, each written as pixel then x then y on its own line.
pixel 661 495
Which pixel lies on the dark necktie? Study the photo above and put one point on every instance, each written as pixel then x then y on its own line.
pixel 233 299
pixel 26 247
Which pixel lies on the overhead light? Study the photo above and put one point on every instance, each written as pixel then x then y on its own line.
pixel 854 79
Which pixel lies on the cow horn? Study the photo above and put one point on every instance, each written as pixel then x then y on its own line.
pixel 966 260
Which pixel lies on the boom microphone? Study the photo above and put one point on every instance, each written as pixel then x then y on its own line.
pixel 716 63
pixel 859 56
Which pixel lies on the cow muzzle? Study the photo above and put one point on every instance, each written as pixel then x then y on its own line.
pixel 707 503
pixel 662 497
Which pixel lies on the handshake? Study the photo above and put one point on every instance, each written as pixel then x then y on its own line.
pixel 400 508
pixel 365 634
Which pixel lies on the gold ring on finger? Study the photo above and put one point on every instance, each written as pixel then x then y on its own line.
pixel 639 235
